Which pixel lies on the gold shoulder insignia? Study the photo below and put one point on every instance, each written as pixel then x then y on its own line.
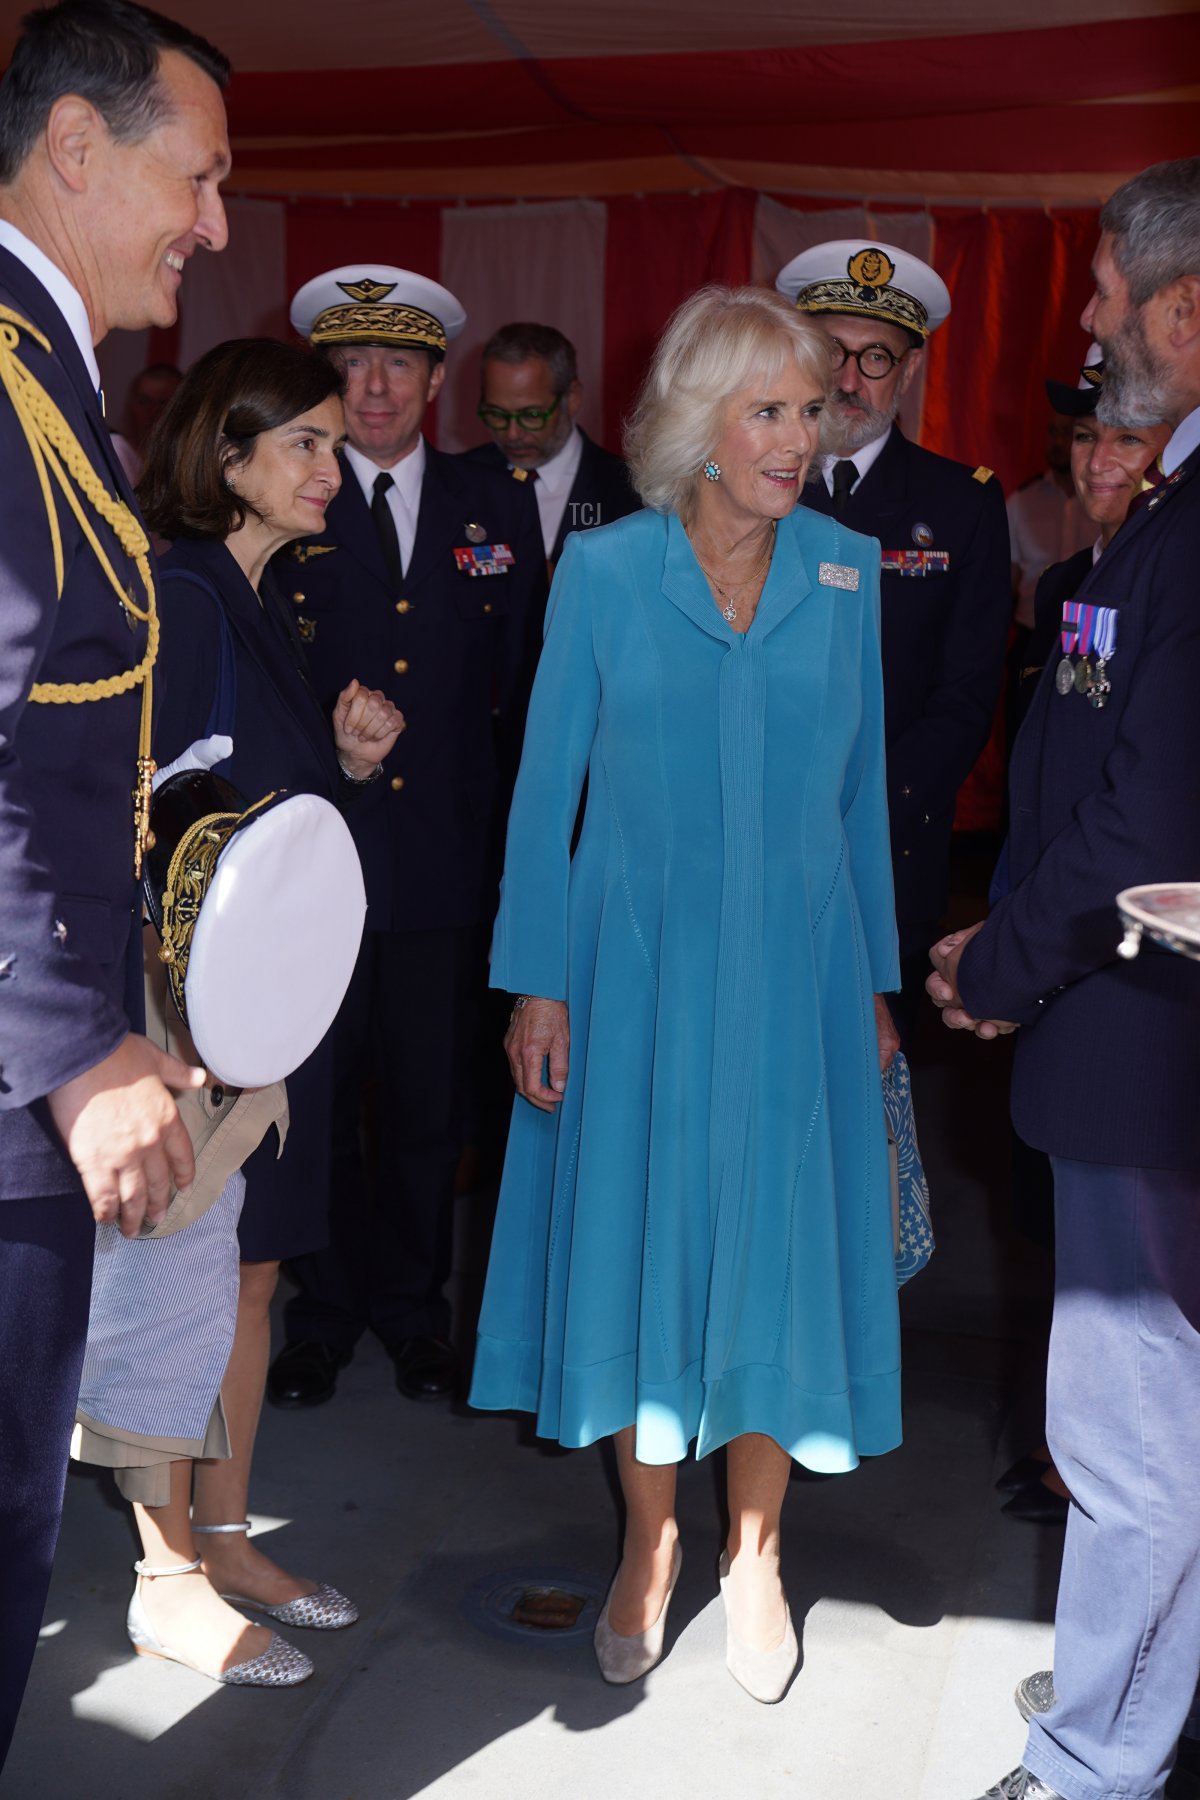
pixel 982 474
pixel 303 552
pixel 367 288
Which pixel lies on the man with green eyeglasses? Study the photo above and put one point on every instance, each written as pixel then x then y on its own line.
pixel 529 395
pixel 946 577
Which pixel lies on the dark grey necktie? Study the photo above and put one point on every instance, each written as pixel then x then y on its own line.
pixel 844 477
pixel 385 527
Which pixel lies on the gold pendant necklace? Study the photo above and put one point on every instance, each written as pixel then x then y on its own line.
pixel 729 610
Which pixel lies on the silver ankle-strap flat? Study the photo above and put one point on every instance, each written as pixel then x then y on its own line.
pixel 280 1664
pixel 324 1610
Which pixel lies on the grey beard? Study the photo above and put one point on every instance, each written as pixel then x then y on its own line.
pixel 1137 386
pixel 842 433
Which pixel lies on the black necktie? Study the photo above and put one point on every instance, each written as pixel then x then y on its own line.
pixel 385 528
pixel 844 477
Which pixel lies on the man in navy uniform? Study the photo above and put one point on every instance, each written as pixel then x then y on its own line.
pixel 112 146
pixel 429 583
pixel 946 575
pixel 1105 794
pixel 529 395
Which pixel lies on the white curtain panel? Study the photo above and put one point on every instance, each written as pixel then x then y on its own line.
pixel 781 232
pixel 540 263
pixel 243 291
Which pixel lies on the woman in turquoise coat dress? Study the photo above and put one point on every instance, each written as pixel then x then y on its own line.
pixel 694 1237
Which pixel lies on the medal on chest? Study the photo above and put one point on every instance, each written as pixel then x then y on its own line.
pixel 1090 630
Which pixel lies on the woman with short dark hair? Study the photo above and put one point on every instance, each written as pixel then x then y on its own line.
pixel 242 462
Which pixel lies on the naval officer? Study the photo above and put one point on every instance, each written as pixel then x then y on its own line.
pixel 112 149
pixel 429 583
pixel 946 584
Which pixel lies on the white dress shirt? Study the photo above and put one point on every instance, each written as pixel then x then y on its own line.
pixel 404 495
pixel 552 489
pixel 67 298
pixel 863 459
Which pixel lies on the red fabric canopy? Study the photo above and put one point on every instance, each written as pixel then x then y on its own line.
pixel 500 98
pixel 1044 110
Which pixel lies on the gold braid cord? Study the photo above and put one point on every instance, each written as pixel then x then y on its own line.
pixel 58 454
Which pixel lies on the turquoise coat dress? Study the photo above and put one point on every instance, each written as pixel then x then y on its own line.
pixel 698 1241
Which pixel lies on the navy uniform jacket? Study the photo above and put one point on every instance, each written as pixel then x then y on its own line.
pixel 600 493
pixel 944 637
pixel 1108 1056
pixel 67 773
pixel 281 739
pixel 455 653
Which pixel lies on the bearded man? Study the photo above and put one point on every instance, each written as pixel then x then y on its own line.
pixel 946 569
pixel 1105 794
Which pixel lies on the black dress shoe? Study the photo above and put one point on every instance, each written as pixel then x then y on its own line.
pixel 426 1367
pixel 1026 1468
pixel 1021 1785
pixel 1184 1781
pixel 1037 1504
pixel 305 1374
pixel 1035 1694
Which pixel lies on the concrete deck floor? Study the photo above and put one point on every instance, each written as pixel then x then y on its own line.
pixel 919 1605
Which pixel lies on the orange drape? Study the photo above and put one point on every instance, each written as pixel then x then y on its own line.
pixel 1019 279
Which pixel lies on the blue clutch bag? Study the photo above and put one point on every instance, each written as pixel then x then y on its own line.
pixel 911 1223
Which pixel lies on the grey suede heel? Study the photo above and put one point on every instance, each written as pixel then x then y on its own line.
pixel 624 1659
pixel 763 1673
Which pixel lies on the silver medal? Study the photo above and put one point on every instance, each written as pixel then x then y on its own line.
pixel 1064 679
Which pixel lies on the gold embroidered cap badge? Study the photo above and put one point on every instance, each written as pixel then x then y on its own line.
pixel 367 289
pixel 870 270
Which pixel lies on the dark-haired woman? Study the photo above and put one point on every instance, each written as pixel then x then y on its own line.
pixel 243 461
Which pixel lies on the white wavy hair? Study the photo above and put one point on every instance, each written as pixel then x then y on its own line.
pixel 720 342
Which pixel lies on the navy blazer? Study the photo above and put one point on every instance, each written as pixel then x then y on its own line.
pixel 600 493
pixel 456 654
pixel 67 772
pixel 1057 582
pixel 282 738
pixel 944 638
pixel 1108 1058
